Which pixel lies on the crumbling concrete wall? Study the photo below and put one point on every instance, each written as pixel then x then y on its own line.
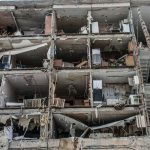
pixel 7 92
pixel 50 3
pixel 136 143
pixel 3 141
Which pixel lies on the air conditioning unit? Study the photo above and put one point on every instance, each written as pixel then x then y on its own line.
pixel 134 81
pixel 134 100
pixel 6 61
pixel 125 26
pixel 95 27
pixel 96 57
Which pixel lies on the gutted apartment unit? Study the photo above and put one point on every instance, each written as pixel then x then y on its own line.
pixel 113 51
pixel 27 90
pixel 71 53
pixel 92 19
pixel 68 74
pixel 25 22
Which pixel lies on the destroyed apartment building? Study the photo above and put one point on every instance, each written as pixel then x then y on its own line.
pixel 74 75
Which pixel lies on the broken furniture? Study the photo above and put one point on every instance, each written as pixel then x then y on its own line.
pixel 73 87
pixel 113 28
pixel 71 53
pixel 112 53
pixel 83 63
pixel 7 31
pixel 105 63
pixel 116 93
pixel 78 102
pixel 58 63
pixel 87 103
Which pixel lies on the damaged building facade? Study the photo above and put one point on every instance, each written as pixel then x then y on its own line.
pixel 74 75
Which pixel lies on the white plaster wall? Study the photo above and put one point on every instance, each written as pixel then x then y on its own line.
pixel 7 93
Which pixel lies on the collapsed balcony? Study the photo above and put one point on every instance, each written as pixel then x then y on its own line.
pixel 71 21
pixel 71 53
pixel 25 58
pixel 115 88
pixel 115 52
pixel 91 123
pixel 110 20
pixel 25 22
pixel 73 88
pixel 28 90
